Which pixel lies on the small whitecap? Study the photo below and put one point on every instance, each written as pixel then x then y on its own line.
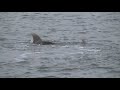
pixel 66 46
pixel 22 57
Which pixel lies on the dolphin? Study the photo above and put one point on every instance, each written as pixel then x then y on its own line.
pixel 38 40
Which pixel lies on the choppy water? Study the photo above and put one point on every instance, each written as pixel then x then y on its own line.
pixel 99 57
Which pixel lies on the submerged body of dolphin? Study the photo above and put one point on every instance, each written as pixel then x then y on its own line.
pixel 38 40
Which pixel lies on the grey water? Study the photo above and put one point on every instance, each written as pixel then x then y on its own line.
pixel 90 45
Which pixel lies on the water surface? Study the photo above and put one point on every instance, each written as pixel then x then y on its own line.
pixel 99 57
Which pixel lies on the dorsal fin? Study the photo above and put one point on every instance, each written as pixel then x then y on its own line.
pixel 36 39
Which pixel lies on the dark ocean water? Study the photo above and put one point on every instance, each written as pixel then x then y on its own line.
pixel 98 57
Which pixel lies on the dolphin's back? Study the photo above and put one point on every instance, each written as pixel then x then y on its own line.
pixel 47 43
pixel 38 40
